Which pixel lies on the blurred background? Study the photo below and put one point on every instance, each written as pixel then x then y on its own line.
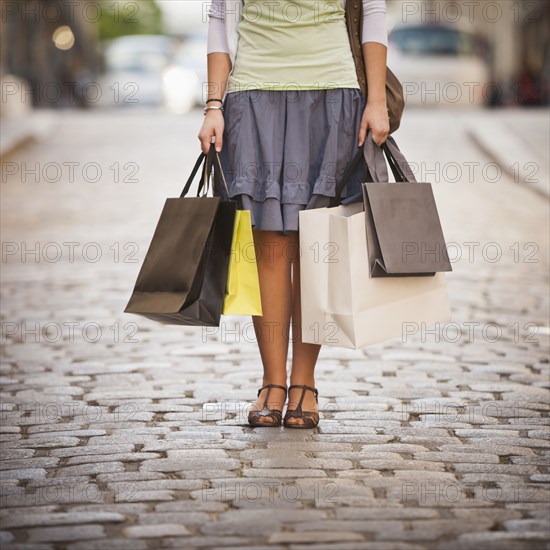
pixel 120 54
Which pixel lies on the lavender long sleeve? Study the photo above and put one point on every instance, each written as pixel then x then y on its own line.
pixel 374 24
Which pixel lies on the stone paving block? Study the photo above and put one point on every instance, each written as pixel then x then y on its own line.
pixel 190 506
pixel 385 513
pixel 195 519
pixel 374 527
pixel 210 542
pixel 492 477
pixel 458 457
pixel 307 446
pixel 26 463
pixel 402 464
pixel 12 454
pixel 543 478
pixel 433 529
pixel 156 484
pixel 309 537
pixel 130 476
pixel 282 473
pixel 90 469
pixel 531 525
pixel 531 459
pixel 497 540
pixel 501 450
pixel 23 473
pixel 155 531
pixel 192 454
pixel 495 514
pixel 135 495
pixel 6 537
pixel 407 448
pixel 71 433
pixel 484 431
pixel 92 450
pixel 40 443
pixel 179 464
pixel 350 437
pixel 124 439
pixel 66 534
pixel 32 546
pixel 332 427
pixel 57 494
pixel 513 493
pixel 126 457
pixel 54 427
pixel 59 518
pixel 163 445
pixel 207 474
pixel 380 545
pixel 301 463
pixel 427 441
pixel 512 469
pixel 110 544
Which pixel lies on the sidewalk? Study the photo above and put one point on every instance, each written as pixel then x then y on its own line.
pixel 18 132
pixel 518 140
pixel 118 433
pixel 20 124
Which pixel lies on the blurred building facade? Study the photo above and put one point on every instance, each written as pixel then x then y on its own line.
pixel 516 32
pixel 52 46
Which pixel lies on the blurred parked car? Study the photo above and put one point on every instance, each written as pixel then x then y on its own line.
pixel 185 80
pixel 134 69
pixel 439 65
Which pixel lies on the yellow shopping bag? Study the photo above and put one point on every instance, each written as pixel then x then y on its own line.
pixel 242 296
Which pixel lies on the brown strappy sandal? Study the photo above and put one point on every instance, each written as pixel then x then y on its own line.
pixel 310 419
pixel 255 417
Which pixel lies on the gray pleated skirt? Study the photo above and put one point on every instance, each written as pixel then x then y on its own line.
pixel 286 150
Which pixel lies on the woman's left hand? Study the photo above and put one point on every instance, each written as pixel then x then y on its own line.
pixel 376 119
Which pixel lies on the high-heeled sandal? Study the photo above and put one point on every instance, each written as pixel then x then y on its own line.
pixel 255 417
pixel 310 419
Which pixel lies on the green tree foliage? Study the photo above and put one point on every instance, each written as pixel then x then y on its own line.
pixel 122 17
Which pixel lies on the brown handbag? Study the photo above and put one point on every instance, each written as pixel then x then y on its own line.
pixel 395 99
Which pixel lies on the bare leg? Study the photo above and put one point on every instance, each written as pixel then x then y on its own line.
pixel 272 328
pixel 304 356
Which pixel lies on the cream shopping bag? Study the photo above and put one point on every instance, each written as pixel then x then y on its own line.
pixel 341 305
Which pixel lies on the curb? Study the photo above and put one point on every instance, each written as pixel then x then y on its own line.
pixel 20 132
pixel 512 152
pixel 14 145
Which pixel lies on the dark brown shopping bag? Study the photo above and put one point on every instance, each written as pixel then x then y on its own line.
pixel 404 234
pixel 183 277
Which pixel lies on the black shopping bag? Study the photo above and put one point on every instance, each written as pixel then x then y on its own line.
pixel 183 277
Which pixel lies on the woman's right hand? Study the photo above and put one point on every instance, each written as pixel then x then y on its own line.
pixel 212 126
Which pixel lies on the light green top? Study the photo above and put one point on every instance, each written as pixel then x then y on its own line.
pixel 293 44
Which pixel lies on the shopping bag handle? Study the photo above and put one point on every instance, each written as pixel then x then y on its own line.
pixel 398 163
pixel 220 184
pixel 374 157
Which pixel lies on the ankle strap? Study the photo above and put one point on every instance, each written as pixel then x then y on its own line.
pixel 272 386
pixel 303 387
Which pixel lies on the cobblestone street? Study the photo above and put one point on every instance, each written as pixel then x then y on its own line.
pixel 121 433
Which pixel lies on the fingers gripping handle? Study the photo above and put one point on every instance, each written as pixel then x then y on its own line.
pixel 211 162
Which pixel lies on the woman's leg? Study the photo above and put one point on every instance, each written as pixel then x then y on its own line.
pixel 272 328
pixel 304 356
